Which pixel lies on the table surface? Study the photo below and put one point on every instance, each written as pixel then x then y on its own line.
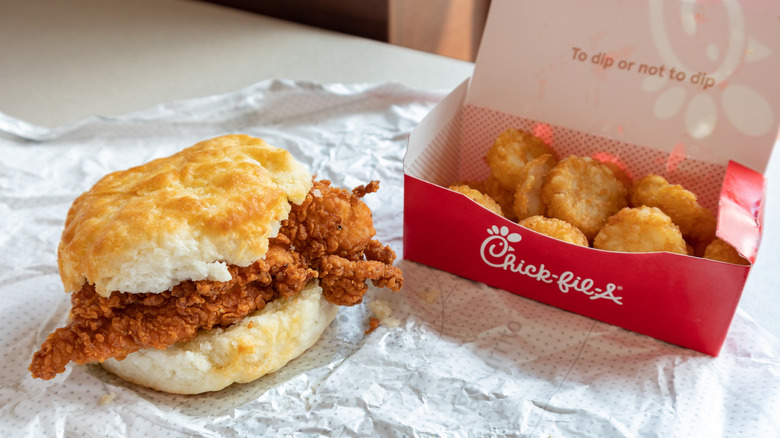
pixel 63 61
pixel 79 58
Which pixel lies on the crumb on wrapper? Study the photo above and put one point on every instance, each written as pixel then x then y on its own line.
pixel 107 398
pixel 430 296
pixel 382 311
pixel 373 323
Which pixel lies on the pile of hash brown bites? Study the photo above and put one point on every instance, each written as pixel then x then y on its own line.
pixel 588 202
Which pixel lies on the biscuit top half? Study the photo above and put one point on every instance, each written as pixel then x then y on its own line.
pixel 183 217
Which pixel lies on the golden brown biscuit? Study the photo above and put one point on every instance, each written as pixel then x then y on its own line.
pixel 247 184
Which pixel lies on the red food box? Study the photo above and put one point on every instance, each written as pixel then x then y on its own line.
pixel 685 90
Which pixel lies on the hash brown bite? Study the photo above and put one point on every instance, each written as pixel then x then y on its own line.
pixel 696 223
pixel 640 229
pixel 479 197
pixel 583 192
pixel 504 197
pixel 621 174
pixel 528 194
pixel 509 153
pixel 556 229
pixel 476 185
pixel 721 251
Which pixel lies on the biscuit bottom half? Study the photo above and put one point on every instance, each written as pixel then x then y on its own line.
pixel 257 345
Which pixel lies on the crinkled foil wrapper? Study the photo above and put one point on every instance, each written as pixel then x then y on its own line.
pixel 464 359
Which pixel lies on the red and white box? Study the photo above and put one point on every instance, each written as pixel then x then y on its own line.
pixel 686 90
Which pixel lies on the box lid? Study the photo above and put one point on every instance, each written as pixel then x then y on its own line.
pixel 697 78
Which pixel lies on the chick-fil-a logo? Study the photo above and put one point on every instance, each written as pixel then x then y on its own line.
pixel 496 251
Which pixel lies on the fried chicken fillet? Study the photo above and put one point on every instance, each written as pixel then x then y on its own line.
pixel 333 231
pixel 328 238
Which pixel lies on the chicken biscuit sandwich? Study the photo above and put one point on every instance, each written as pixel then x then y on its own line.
pixel 218 264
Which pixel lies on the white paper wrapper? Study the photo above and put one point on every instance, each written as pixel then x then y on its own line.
pixel 465 360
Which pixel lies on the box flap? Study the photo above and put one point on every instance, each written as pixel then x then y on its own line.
pixel 739 210
pixel 426 149
pixel 683 77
